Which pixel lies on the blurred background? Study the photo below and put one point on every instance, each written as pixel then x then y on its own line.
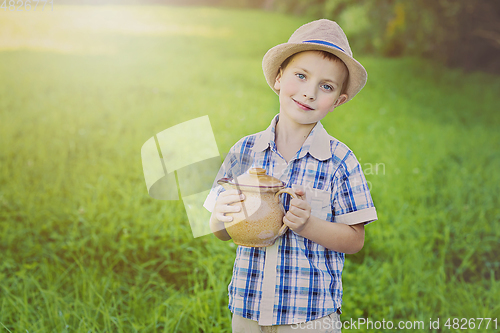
pixel 460 33
pixel 84 84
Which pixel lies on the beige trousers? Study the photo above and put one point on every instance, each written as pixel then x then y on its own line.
pixel 327 324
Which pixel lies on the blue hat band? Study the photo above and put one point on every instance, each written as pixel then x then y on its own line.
pixel 315 41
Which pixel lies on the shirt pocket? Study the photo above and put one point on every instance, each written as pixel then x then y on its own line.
pixel 320 202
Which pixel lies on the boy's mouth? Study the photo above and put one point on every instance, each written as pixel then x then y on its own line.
pixel 303 106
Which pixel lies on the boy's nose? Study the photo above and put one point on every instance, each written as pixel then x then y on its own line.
pixel 309 93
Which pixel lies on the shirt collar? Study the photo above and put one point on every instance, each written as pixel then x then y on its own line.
pixel 317 143
pixel 266 138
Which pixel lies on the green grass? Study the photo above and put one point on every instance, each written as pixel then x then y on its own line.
pixel 84 248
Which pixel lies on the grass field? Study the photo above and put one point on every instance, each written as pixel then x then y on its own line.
pixel 85 249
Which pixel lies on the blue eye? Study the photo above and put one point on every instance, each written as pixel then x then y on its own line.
pixel 327 87
pixel 300 76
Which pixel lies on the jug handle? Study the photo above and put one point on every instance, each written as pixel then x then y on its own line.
pixel 276 197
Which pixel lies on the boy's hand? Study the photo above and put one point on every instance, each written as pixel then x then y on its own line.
pixel 224 204
pixel 299 212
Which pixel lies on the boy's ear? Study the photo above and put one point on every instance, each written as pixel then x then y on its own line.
pixel 341 100
pixel 277 82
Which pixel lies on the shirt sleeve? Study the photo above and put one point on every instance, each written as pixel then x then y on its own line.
pixel 211 199
pixel 236 162
pixel 352 201
pixel 224 171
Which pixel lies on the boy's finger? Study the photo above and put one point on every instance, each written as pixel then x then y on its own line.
pixel 296 216
pixel 230 192
pixel 223 218
pixel 230 208
pixel 299 190
pixel 290 220
pixel 301 194
pixel 231 199
pixel 293 210
pixel 299 203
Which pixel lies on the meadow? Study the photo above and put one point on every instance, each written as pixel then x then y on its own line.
pixel 85 249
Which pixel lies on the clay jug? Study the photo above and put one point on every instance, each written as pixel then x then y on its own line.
pixel 260 221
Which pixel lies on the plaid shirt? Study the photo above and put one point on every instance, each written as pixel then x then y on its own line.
pixel 307 280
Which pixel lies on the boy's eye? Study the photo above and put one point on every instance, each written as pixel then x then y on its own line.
pixel 300 76
pixel 327 87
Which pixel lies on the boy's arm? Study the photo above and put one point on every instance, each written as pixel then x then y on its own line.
pixel 334 236
pixel 218 228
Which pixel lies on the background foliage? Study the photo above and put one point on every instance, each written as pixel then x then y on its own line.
pixel 462 34
pixel 84 248
pixel 458 33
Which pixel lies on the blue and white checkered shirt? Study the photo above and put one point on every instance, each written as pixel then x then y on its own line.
pixel 307 280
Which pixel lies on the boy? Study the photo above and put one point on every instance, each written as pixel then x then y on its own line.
pixel 295 285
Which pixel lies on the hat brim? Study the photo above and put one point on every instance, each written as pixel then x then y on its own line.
pixel 275 56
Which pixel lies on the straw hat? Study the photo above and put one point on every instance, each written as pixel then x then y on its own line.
pixel 324 35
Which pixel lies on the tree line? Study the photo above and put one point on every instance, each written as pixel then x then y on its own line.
pixel 459 33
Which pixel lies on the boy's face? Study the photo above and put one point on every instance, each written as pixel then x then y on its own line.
pixel 310 87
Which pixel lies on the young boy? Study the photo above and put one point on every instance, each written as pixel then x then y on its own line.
pixel 295 285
